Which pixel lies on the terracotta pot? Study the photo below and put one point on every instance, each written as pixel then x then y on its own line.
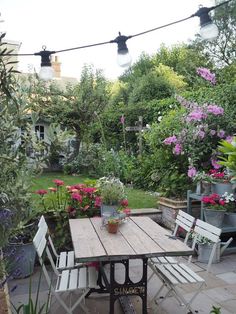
pixel 112 227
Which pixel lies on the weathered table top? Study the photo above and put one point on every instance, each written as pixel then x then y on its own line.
pixel 138 237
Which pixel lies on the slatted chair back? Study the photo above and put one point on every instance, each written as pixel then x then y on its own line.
pixel 43 224
pixel 184 221
pixel 212 233
pixel 40 242
pixel 68 280
pixel 64 259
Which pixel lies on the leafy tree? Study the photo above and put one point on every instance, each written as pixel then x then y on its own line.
pixel 76 109
pixel 183 59
pixel 150 86
pixel 16 170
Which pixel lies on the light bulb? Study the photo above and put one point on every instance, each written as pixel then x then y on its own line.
pixel 124 59
pixel 46 73
pixel 209 31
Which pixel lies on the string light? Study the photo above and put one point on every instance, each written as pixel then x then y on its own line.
pixel 208 31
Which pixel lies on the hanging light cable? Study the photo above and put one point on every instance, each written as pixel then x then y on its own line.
pixel 208 30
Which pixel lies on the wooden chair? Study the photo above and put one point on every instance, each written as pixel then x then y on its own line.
pixel 183 220
pixel 69 280
pixel 174 275
pixel 64 260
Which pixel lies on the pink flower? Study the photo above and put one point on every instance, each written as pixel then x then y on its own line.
pixel 127 211
pixel 207 75
pixel 170 140
pixel 41 192
pixel 98 201
pixel 78 186
pixel 212 132
pixel 58 182
pixel 89 190
pixel 124 203
pixel 215 110
pixel 177 149
pixel 215 164
pixel 122 119
pixel 196 115
pixel 192 172
pixel 77 196
pixel 221 133
pixel 229 139
pixel 222 202
pixel 201 134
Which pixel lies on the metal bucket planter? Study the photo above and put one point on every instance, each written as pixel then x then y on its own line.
pixel 206 187
pixel 222 187
pixel 214 217
pixel 230 220
pixel 204 252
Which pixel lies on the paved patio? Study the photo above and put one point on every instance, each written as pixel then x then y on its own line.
pixel 220 291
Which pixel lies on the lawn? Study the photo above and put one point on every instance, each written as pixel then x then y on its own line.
pixel 137 198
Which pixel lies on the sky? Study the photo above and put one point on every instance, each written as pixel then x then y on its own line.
pixel 60 24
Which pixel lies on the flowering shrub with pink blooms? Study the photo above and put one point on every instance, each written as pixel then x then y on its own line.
pixel 201 130
pixel 79 200
pixel 184 144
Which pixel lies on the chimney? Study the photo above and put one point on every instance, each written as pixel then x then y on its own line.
pixel 56 65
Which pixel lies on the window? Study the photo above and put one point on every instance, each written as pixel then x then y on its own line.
pixel 39 130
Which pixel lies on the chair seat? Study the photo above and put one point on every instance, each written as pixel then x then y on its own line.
pixel 77 278
pixel 178 273
pixel 163 260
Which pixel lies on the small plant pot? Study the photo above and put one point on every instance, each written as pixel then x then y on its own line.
pixel 112 227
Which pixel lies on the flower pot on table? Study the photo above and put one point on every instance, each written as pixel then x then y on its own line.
pixel 112 227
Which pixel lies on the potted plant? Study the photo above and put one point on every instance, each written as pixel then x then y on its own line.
pixel 112 224
pixel 20 253
pixel 204 249
pixel 216 206
pixel 221 181
pixel 204 181
pixel 112 195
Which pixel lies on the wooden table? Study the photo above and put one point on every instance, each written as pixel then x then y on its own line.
pixel 138 238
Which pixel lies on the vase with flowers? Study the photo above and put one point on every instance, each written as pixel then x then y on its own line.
pixel 114 201
pixel 216 206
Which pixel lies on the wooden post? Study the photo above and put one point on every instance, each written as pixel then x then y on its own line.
pixel 139 127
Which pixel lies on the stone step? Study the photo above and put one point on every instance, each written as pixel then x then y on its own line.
pixel 153 213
